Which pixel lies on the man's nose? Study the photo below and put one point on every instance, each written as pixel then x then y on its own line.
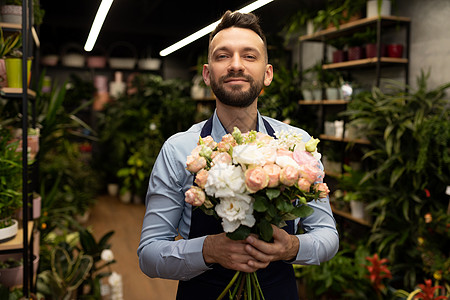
pixel 236 64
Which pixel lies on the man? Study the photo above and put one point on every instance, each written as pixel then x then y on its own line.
pixel 205 259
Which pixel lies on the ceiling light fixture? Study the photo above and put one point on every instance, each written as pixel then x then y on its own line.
pixel 202 32
pixel 97 24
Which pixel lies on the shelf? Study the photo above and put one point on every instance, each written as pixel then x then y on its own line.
pixel 365 62
pixel 322 102
pixel 344 140
pixel 16 92
pixel 17 242
pixel 13 26
pixel 350 217
pixel 350 28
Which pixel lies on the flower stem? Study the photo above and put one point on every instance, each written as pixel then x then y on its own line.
pixel 224 292
pixel 249 286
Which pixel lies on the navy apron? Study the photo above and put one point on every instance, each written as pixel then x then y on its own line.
pixel 277 280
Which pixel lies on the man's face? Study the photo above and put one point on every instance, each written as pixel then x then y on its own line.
pixel 237 69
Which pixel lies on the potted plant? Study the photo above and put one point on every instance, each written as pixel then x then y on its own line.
pixel 11 12
pixel 339 55
pixel 13 62
pixel 10 185
pixel 7 45
pixel 11 269
pixel 378 8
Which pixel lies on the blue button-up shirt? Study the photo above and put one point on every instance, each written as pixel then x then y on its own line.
pixel 167 215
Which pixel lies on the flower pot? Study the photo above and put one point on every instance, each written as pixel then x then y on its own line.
pixel 307 95
pixel 332 93
pixel 11 277
pixel 395 50
pixel 113 189
pixel 317 94
pixel 9 233
pixel 96 62
pixel 11 14
pixel 14 71
pixel 125 197
pixel 36 209
pixel 355 53
pixel 372 8
pixel 371 50
pixel 339 56
pixel 358 209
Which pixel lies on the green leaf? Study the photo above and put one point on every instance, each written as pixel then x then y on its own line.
pixel 396 174
pixel 302 211
pixel 272 193
pixel 265 230
pixel 239 234
pixel 261 204
pixel 283 205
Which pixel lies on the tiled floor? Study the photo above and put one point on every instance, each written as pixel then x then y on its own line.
pixel 126 220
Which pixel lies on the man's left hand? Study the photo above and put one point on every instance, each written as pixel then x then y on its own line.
pixel 284 247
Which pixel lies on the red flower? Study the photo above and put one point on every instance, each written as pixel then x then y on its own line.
pixel 427 193
pixel 378 271
pixel 428 291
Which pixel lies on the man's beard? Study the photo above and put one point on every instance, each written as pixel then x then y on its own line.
pixel 236 97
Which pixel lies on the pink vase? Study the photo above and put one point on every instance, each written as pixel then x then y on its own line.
pixel 371 50
pixel 355 53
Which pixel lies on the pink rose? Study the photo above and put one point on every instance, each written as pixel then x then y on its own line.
pixel 209 142
pixel 273 171
pixel 289 175
pixel 221 157
pixel 304 158
pixel 201 177
pixel 310 173
pixel 195 163
pixel 195 196
pixel 323 189
pixel 303 184
pixel 226 143
pixel 284 152
pixel 256 179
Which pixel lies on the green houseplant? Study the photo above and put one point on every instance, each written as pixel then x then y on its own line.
pixel 409 130
pixel 10 180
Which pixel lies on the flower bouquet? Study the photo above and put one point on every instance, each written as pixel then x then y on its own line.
pixel 252 180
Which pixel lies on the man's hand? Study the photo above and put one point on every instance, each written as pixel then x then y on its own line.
pixel 230 254
pixel 284 247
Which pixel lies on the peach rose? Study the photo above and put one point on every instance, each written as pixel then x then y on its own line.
pixel 201 177
pixel 288 175
pixel 195 163
pixel 304 158
pixel 273 171
pixel 195 196
pixel 256 179
pixel 310 173
pixel 284 152
pixel 209 142
pixel 221 157
pixel 226 143
pixel 323 189
pixel 303 184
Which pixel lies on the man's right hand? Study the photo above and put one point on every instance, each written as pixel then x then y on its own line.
pixel 230 254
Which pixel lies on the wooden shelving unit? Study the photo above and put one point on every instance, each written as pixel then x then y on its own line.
pixel 17 242
pixel 16 92
pixel 366 62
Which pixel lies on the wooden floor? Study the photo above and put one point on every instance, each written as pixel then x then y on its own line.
pixel 126 220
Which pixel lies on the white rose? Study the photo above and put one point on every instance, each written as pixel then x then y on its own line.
pixel 284 161
pixel 248 155
pixel 225 180
pixel 107 255
pixel 235 212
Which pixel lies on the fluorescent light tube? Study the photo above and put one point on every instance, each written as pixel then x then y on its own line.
pixel 202 32
pixel 97 24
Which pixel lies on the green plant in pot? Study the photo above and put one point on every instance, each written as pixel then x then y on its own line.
pixel 409 130
pixel 8 44
pixel 10 184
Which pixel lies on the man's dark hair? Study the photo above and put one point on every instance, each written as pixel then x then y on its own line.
pixel 237 19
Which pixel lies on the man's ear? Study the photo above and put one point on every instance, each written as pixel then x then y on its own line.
pixel 269 75
pixel 205 74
